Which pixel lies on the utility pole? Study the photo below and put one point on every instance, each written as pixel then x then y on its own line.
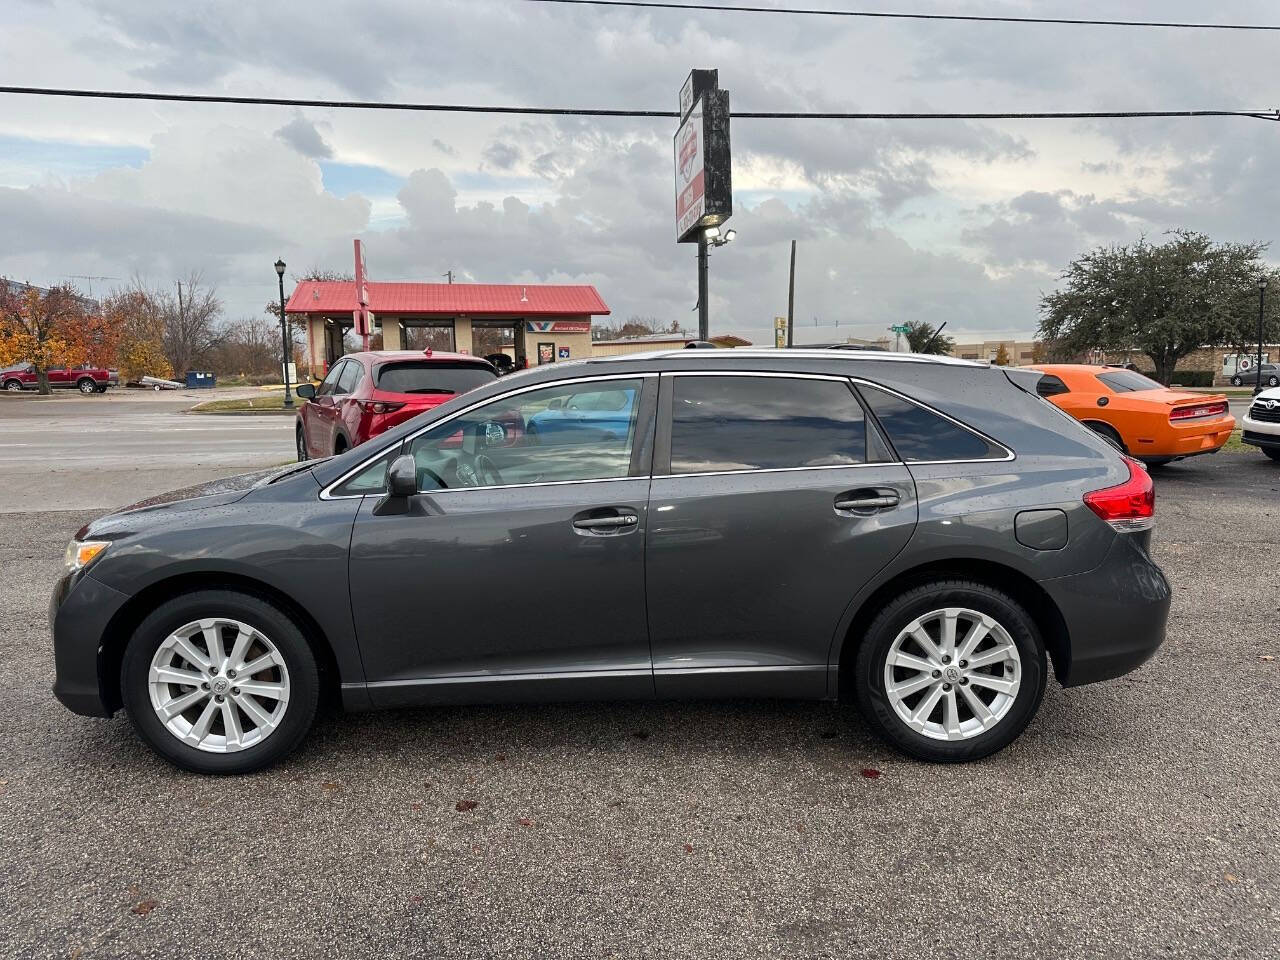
pixel 1262 303
pixel 448 274
pixel 791 298
pixel 704 313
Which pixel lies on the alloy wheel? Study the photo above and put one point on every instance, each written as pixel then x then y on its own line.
pixel 219 685
pixel 952 674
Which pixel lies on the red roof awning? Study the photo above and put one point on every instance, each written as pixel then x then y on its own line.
pixel 451 299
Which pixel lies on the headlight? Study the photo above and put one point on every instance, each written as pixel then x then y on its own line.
pixel 81 553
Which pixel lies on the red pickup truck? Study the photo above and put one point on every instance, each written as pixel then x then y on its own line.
pixel 86 378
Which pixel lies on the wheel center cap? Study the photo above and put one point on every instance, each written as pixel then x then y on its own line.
pixel 951 674
pixel 220 685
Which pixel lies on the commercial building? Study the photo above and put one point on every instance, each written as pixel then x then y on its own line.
pixel 658 341
pixel 1020 352
pixel 542 323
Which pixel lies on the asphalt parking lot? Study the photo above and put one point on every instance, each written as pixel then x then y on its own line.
pixel 1133 818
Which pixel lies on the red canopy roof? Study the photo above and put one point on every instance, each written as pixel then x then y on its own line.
pixel 450 299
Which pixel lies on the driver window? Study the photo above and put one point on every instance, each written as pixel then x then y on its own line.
pixel 330 381
pixel 566 432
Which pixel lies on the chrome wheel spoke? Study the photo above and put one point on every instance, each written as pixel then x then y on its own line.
pixel 937 694
pixel 259 688
pixel 208 708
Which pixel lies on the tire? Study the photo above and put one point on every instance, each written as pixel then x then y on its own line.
pixel 100 390
pixel 300 441
pixel 290 717
pixel 1273 381
pixel 1272 452
pixel 13 386
pixel 340 446
pixel 971 737
pixel 1108 433
pixel 86 385
pixel 1237 382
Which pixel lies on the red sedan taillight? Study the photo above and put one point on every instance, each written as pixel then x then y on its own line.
pixel 1130 506
pixel 381 406
pixel 1198 411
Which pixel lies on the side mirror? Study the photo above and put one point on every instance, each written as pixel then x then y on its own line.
pixel 306 391
pixel 402 476
pixel 494 433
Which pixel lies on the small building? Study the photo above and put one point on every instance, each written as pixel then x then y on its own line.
pixel 540 323
pixel 1021 352
pixel 658 341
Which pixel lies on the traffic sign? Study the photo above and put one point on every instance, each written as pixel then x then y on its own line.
pixel 899 328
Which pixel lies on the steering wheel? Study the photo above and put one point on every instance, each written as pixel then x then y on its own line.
pixel 487 471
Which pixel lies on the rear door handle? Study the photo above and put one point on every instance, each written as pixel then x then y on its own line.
pixel 868 503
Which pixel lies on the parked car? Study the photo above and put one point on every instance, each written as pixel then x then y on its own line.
pixel 1261 424
pixel 922 536
pixel 1139 416
pixel 591 412
pixel 86 378
pixel 1248 378
pixel 365 394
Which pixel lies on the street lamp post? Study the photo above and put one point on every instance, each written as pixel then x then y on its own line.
pixel 284 337
pixel 1262 300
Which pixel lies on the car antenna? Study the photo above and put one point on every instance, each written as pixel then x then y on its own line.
pixel 933 338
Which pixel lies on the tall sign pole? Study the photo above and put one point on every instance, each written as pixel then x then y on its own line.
pixel 791 297
pixel 703 187
pixel 361 313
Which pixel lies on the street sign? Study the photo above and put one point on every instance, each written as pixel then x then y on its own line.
pixel 899 328
pixel 779 332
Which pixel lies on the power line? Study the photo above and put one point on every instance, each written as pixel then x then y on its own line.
pixel 597 112
pixel 880 15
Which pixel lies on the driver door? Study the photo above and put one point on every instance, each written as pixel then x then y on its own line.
pixel 517 571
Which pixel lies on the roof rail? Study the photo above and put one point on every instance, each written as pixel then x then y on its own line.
pixel 853 356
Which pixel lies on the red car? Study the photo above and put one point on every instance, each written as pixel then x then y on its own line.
pixel 86 378
pixel 367 393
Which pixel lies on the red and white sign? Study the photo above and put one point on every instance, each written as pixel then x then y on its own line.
pixel 690 175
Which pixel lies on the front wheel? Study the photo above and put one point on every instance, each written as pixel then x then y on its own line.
pixel 217 681
pixel 301 440
pixel 950 671
pixel 1237 382
pixel 1273 381
pixel 86 386
pixel 1272 452
pixel 13 386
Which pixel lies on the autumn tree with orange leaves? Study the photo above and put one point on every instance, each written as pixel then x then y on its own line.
pixel 44 328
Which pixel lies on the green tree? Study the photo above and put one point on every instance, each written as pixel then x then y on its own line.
pixel 1163 300
pixel 921 338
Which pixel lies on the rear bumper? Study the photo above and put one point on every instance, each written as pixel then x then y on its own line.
pixel 1115 614
pixel 79 612
pixel 1191 439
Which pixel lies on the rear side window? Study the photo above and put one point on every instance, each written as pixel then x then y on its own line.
pixel 428 376
pixel 920 434
pixel 1051 386
pixel 764 423
pixel 350 377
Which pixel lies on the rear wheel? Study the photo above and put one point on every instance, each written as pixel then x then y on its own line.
pixel 1236 381
pixel 1108 433
pixel 86 385
pixel 950 671
pixel 340 446
pixel 220 682
pixel 1273 381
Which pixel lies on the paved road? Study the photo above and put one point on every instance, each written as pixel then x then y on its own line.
pixel 74 452
pixel 1133 819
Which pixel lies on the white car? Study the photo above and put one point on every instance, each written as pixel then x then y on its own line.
pixel 1262 423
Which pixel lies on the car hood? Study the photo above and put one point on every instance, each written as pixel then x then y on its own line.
pixel 1271 393
pixel 200 496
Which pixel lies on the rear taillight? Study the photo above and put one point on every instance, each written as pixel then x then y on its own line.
pixel 381 406
pixel 1130 506
pixel 1196 412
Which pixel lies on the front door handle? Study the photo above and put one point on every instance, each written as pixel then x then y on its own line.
pixel 868 503
pixel 593 523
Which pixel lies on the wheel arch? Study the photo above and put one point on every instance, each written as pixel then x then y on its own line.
pixel 135 610
pixel 998 576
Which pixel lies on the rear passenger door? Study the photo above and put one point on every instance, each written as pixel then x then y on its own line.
pixel 773 502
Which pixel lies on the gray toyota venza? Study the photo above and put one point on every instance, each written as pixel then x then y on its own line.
pixel 920 535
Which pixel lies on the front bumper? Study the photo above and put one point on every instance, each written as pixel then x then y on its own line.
pixel 1115 614
pixel 80 611
pixel 1258 433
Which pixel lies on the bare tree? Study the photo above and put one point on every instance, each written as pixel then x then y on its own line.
pixel 191 322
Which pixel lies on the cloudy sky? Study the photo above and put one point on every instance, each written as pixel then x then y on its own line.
pixel 943 220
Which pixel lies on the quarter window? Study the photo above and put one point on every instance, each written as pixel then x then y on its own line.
pixel 1051 386
pixel 568 432
pixel 919 434
pixel 1128 381
pixel 764 423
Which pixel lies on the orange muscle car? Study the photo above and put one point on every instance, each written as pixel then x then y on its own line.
pixel 1153 423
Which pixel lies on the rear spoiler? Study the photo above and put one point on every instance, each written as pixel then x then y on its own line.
pixel 1023 379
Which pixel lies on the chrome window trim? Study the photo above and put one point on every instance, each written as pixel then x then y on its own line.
pixel 824 466
pixel 325 494
pixel 1009 454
